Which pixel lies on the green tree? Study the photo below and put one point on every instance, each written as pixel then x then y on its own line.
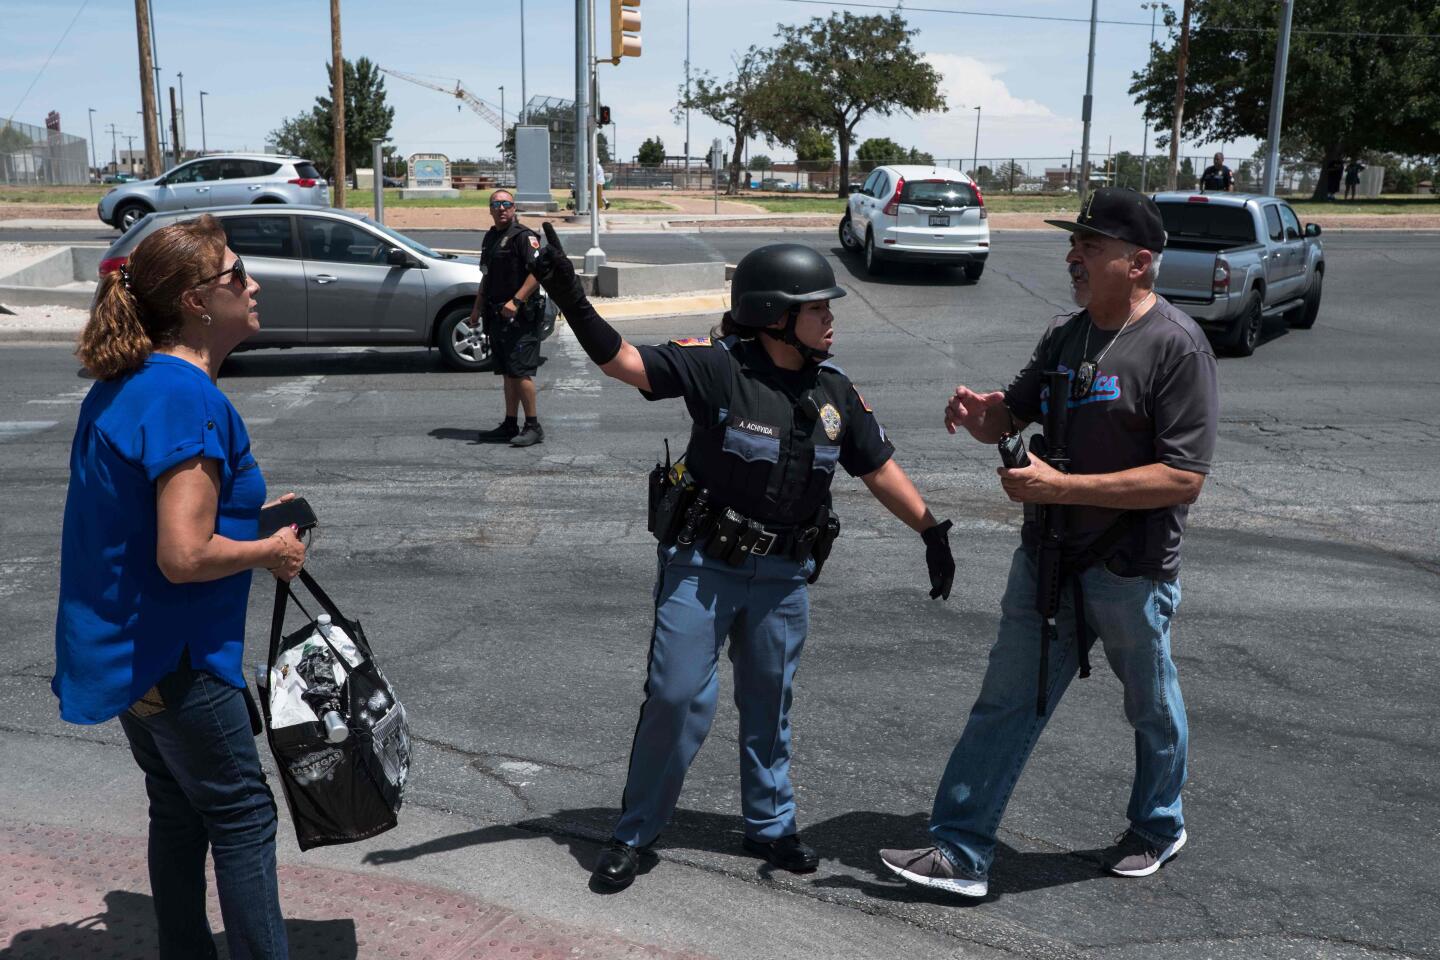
pixel 836 72
pixel 12 139
pixel 1361 76
pixel 602 150
pixel 761 162
pixel 814 150
pixel 878 151
pixel 367 116
pixel 916 155
pixel 651 152
pixel 738 103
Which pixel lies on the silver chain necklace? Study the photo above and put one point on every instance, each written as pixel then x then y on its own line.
pixel 1085 376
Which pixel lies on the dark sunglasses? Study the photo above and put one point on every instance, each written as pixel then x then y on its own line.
pixel 501 204
pixel 237 268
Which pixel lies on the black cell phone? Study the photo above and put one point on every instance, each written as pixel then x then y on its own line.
pixel 1012 451
pixel 295 511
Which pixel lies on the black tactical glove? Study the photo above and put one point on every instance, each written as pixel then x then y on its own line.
pixel 938 559
pixel 557 275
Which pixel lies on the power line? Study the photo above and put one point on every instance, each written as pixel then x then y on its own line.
pixel 38 75
pixel 1086 20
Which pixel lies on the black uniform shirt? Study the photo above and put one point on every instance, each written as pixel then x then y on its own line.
pixel 504 259
pixel 765 440
pixel 1217 176
pixel 1155 400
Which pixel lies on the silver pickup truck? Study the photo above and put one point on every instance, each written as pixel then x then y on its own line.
pixel 1232 260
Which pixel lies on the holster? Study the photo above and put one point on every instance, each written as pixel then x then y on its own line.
pixel 732 537
pixel 827 530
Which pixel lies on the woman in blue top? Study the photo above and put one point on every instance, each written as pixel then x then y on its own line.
pixel 160 533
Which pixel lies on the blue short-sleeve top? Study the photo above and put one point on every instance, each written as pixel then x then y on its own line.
pixel 121 625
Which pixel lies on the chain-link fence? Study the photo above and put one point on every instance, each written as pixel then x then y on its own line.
pixel 30 154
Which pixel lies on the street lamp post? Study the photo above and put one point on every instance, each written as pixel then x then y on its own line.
pixel 975 160
pixel 502 119
pixel 1152 6
pixel 523 101
pixel 204 147
pixel 1087 105
pixel 94 164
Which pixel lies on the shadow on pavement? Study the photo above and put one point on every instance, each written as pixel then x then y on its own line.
pixel 852 840
pixel 126 928
pixel 902 274
pixel 303 362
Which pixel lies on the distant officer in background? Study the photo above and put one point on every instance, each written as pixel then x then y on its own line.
pixel 1217 177
pixel 744 523
pixel 511 315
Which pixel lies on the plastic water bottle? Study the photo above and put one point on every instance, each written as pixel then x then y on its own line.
pixel 335 729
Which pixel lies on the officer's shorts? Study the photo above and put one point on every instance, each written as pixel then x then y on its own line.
pixel 517 349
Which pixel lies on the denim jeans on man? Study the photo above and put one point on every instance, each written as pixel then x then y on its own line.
pixel 207 791
pixel 763 609
pixel 1131 616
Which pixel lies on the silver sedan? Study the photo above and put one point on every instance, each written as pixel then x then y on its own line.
pixel 333 278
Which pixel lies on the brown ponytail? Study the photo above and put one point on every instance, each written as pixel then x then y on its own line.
pixel 137 309
pixel 727 327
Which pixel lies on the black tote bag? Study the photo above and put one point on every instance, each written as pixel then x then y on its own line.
pixel 351 790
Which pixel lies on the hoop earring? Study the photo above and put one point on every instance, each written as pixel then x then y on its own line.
pixel 206 319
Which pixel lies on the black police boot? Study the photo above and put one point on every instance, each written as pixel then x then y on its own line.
pixel 531 435
pixel 616 865
pixel 787 853
pixel 504 433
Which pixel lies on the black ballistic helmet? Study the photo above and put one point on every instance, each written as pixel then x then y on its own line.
pixel 769 280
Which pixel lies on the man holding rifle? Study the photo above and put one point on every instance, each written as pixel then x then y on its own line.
pixel 1126 389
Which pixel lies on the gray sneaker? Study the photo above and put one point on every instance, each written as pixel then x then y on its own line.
pixel 931 868
pixel 1134 856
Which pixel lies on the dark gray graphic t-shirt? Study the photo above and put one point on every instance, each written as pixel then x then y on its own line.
pixel 1155 399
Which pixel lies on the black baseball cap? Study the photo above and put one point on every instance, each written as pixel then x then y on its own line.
pixel 1121 214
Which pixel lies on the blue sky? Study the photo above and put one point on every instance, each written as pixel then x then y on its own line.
pixel 263 60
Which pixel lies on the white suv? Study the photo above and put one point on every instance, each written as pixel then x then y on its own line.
pixel 920 214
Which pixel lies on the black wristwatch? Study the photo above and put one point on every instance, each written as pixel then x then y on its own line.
pixel 517 301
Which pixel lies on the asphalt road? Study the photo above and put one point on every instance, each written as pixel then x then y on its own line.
pixel 509 593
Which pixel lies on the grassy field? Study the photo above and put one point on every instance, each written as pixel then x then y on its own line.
pixel 356 199
pixel 1029 203
pixel 90 195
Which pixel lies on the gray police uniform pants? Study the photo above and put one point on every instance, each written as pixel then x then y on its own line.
pixel 763 609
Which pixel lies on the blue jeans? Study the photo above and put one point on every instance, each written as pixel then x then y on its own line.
pixel 207 791
pixel 1131 616
pixel 762 607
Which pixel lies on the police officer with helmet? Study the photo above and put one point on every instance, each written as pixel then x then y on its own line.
pixel 744 524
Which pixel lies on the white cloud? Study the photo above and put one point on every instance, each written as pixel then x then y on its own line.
pixel 1010 125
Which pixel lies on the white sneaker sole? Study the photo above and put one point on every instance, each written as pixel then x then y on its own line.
pixel 1165 854
pixel 959 886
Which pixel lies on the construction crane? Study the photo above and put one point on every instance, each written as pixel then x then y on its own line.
pixel 486 112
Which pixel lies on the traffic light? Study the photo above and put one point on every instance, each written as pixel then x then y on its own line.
pixel 604 116
pixel 624 29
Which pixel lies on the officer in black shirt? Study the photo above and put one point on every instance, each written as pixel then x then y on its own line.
pixel 1217 177
pixel 511 316
pixel 744 522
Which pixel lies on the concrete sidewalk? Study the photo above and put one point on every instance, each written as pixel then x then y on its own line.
pixel 72 854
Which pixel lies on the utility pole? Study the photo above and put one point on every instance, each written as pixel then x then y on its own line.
pixel 180 125
pixel 1182 63
pixel 975 160
pixel 1153 6
pixel 582 107
pixel 524 101
pixel 204 147
pixel 147 87
pixel 174 126
pixel 337 103
pixel 594 257
pixel 94 163
pixel 687 87
pixel 502 119
pixel 1089 101
pixel 1277 98
pixel 159 101
pixel 129 152
pixel 378 162
pixel 115 149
